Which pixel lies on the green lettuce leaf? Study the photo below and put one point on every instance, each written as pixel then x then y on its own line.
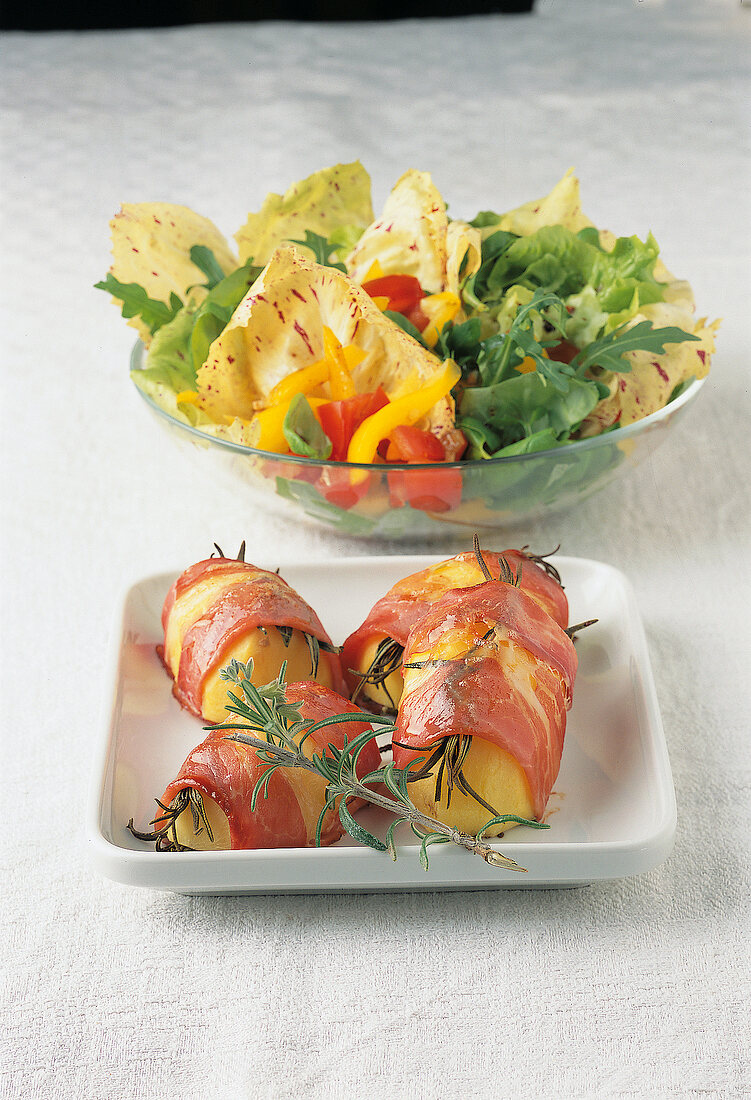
pixel 169 362
pixel 215 311
pixel 556 259
pixel 527 404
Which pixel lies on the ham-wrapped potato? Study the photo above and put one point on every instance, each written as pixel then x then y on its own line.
pixel 207 806
pixel 488 680
pixel 224 608
pixel 372 655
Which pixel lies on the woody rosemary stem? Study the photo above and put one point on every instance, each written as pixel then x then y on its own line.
pixel 464 840
pixel 280 734
pixel 355 789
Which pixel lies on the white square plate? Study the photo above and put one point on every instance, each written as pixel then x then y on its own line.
pixel 612 812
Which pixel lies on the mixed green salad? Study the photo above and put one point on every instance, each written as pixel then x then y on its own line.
pixel 407 338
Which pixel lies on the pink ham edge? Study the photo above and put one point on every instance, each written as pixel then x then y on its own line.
pixel 264 599
pixel 454 698
pixel 396 613
pixel 227 772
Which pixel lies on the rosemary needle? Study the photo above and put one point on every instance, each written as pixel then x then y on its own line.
pixel 275 728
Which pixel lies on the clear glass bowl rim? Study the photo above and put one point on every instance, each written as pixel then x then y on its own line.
pixel 578 445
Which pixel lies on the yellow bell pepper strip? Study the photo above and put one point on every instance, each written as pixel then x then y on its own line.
pixel 375 271
pixel 267 426
pixel 528 365
pixel 441 308
pixel 340 380
pixel 300 381
pixel 334 368
pixel 405 410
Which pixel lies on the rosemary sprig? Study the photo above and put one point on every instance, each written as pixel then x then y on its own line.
pixel 506 573
pixel 387 659
pixel 542 561
pixel 275 728
pixel 164 833
pixel 240 552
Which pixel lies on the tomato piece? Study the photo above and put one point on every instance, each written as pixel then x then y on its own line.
pixel 563 352
pixel 402 291
pixel 340 419
pixel 419 319
pixel 337 486
pixel 410 444
pixel 429 490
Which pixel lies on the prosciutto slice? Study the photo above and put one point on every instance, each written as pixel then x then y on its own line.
pixel 227 771
pixel 254 597
pixel 396 613
pixel 511 687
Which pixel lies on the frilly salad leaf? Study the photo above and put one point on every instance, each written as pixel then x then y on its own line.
pixel 333 203
pixel 558 260
pixel 525 406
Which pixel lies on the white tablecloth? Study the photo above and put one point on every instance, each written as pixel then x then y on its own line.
pixel 629 989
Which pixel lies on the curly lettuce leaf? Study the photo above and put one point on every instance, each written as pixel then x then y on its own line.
pixel 522 406
pixel 334 203
pixel 169 362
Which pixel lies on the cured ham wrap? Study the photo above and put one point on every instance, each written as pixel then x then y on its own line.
pixel 207 806
pixel 224 608
pixel 488 681
pixel 372 655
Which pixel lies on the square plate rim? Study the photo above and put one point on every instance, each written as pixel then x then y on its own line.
pixel 232 872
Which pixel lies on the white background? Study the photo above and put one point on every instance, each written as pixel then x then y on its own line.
pixel 638 988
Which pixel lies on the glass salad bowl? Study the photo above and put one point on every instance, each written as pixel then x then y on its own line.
pixel 432 500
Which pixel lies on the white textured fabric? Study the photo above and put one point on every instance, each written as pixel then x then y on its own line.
pixel 629 989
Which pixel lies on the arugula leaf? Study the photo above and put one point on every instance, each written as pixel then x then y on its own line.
pixel 303 432
pixel 136 302
pixel 205 260
pixel 461 342
pixel 483 439
pixel 608 351
pixel 499 354
pixel 544 440
pixel 217 308
pixel 521 406
pixel 405 324
pixel 322 249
